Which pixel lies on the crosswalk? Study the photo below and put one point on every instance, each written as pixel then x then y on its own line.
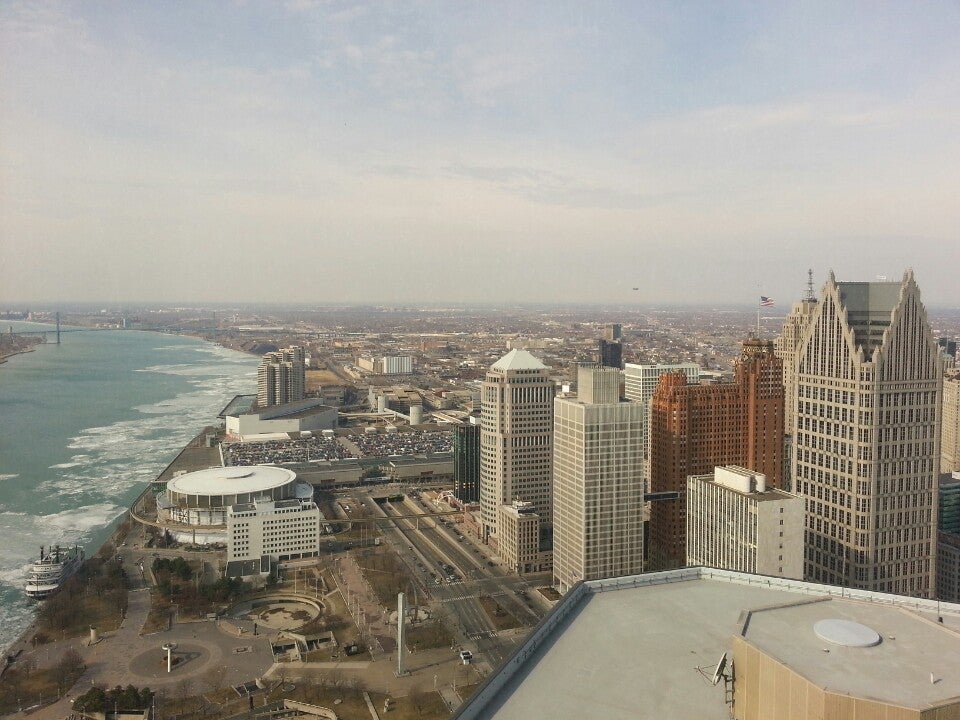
pixel 483 634
pixel 471 596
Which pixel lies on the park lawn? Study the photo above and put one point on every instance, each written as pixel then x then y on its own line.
pixel 431 634
pixel 501 619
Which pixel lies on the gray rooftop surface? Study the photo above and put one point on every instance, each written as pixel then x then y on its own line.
pixel 631 654
pixel 896 671
pixel 648 651
pixel 518 359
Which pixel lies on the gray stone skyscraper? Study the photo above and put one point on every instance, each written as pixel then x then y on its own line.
pixel 516 437
pixel 866 434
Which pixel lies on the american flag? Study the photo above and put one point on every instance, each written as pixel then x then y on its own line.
pixel 766 301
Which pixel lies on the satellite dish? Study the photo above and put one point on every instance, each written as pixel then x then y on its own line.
pixel 718 673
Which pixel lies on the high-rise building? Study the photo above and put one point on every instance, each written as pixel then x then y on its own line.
pixel 609 353
pixel 281 377
pixel 785 346
pixel 641 380
pixel 948 538
pixel 466 462
pixel 735 522
pixel 598 481
pixel 950 433
pixel 695 428
pixel 866 438
pixel 613 332
pixel 516 437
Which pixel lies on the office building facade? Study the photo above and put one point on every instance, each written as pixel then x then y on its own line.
pixel 516 438
pixel 466 462
pixel 735 522
pixel 281 529
pixel 866 438
pixel 640 381
pixel 598 480
pixel 950 432
pixel 610 353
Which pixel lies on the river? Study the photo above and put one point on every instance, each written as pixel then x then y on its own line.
pixel 84 425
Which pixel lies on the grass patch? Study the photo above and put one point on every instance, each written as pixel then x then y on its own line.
pixel 386 573
pixel 466 691
pixel 24 685
pixel 549 593
pixel 430 634
pixel 501 619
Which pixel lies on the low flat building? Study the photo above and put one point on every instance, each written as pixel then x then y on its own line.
pixel 736 522
pixel 310 415
pixel 650 646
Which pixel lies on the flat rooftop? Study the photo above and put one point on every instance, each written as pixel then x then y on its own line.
pixel 896 670
pixel 646 646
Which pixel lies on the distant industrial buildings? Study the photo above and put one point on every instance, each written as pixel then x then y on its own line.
pixel 281 377
pixel 386 365
pixel 599 483
pixel 735 522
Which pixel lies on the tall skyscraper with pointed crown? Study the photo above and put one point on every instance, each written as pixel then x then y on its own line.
pixel 866 434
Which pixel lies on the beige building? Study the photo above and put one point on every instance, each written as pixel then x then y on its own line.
pixel 866 438
pixel 950 435
pixel 639 381
pixel 785 347
pixel 281 377
pixel 518 538
pixel 516 438
pixel 281 529
pixel 598 481
pixel 735 522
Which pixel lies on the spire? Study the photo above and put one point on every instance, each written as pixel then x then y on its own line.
pixel 810 296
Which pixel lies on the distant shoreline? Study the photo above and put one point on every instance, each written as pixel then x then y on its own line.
pixel 4 356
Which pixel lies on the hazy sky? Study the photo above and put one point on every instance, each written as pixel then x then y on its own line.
pixel 404 152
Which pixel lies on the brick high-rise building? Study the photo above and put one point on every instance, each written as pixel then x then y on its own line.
pixel 695 428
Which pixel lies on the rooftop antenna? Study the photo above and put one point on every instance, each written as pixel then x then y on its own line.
pixel 810 295
pixel 718 672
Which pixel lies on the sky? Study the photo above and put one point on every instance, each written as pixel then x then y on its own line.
pixel 700 152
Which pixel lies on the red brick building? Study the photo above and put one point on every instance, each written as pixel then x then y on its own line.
pixel 694 428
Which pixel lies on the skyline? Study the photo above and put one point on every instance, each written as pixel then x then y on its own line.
pixel 432 154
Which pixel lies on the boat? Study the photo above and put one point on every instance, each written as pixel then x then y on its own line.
pixel 52 570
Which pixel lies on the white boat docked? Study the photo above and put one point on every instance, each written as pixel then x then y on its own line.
pixel 52 570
